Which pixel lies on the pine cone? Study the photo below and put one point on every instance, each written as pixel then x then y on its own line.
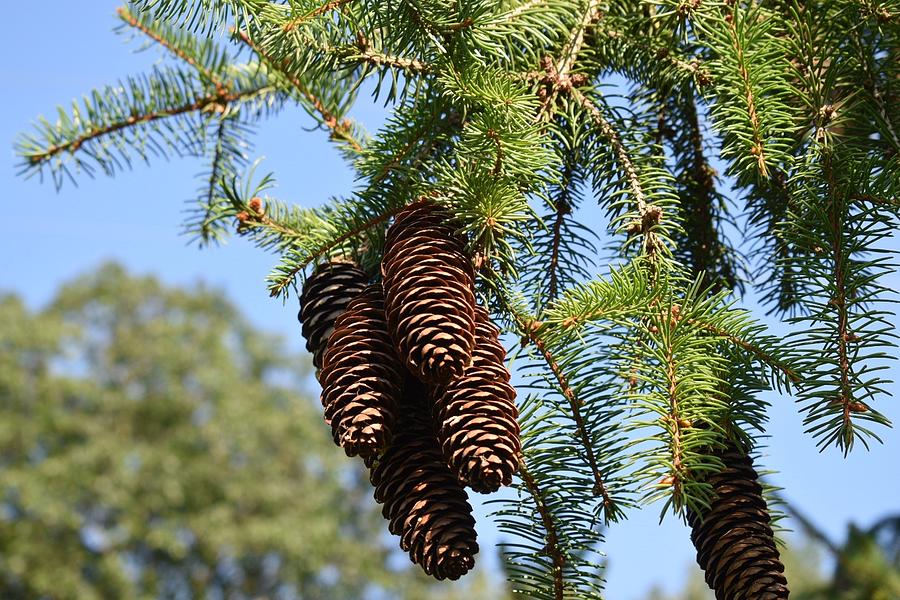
pixel 734 541
pixel 429 298
pixel 475 415
pixel 362 378
pixel 424 503
pixel 326 294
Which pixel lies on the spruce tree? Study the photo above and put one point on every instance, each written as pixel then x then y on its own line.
pixel 641 366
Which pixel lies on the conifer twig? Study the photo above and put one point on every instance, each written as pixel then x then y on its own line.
pixel 286 279
pixel 202 103
pixel 563 207
pixel 758 149
pixel 758 352
pixel 648 214
pixel 412 66
pixel 674 418
pixel 528 328
pixel 839 301
pixel 321 10
pixel 552 538
pixel 558 71
pixel 131 20
pixel 340 130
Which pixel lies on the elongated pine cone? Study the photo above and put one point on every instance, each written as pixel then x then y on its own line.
pixel 362 377
pixel 326 294
pixel 475 415
pixel 423 501
pixel 734 541
pixel 429 297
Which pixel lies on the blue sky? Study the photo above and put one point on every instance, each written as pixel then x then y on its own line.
pixel 62 49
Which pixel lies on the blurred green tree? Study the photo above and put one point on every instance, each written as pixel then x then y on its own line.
pixel 152 445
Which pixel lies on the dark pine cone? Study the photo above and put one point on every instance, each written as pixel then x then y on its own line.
pixel 475 415
pixel 429 298
pixel 362 378
pixel 734 541
pixel 326 294
pixel 423 501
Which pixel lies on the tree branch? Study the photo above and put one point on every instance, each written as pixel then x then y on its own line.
pixel 528 328
pixel 321 10
pixel 204 102
pixel 758 149
pixel 130 19
pixel 649 215
pixel 558 71
pixel 552 548
pixel 761 354
pixel 340 130
pixel 289 276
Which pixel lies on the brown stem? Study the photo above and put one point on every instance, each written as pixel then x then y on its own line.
pixel 758 149
pixel 126 16
pixel 562 209
pixel 674 418
pixel 340 130
pixel 552 548
pixel 528 328
pixel 840 300
pixel 321 10
pixel 704 246
pixel 410 65
pixel 557 72
pixel 211 100
pixel 648 214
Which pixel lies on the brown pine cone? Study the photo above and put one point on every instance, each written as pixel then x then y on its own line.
pixel 429 297
pixel 424 503
pixel 326 294
pixel 475 415
pixel 362 378
pixel 735 543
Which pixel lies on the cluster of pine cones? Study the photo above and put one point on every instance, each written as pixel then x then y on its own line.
pixel 414 382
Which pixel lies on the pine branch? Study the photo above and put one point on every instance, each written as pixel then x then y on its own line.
pixel 340 130
pixel 563 207
pixel 758 148
pixel 648 216
pixel 110 114
pixel 312 14
pixel 411 66
pixel 229 153
pixel 146 27
pixel 528 328
pixel 765 356
pixel 552 548
pixel 558 71
pixel 286 277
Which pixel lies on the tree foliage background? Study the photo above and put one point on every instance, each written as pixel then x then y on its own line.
pixel 154 445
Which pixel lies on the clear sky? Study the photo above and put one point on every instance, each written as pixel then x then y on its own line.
pixel 55 50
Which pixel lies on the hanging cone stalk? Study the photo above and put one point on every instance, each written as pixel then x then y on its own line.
pixel 326 294
pixel 734 540
pixel 423 501
pixel 475 415
pixel 362 378
pixel 429 297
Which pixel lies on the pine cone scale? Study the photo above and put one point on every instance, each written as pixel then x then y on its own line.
pixel 362 377
pixel 429 297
